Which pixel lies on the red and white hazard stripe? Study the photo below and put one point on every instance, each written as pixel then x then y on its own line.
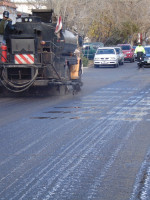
pixel 24 59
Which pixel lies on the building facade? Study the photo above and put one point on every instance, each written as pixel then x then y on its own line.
pixel 26 6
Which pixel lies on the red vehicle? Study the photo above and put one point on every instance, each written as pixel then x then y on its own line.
pixel 128 52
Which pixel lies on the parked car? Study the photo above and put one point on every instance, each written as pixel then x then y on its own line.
pixel 106 56
pixel 120 55
pixel 89 49
pixel 147 55
pixel 128 52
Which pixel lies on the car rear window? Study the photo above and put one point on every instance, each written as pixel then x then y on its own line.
pixel 105 51
pixel 127 47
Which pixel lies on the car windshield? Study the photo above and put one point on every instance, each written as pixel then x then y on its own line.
pixel 105 51
pixel 147 50
pixel 127 47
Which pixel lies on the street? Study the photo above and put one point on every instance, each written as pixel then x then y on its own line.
pixel 94 145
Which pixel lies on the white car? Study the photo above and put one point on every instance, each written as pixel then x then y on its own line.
pixel 106 56
pixel 120 55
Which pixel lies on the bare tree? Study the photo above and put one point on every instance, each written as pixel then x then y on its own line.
pixel 82 14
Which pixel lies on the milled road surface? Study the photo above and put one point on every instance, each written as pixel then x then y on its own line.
pixel 91 146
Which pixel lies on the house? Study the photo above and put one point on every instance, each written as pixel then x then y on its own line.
pixel 25 6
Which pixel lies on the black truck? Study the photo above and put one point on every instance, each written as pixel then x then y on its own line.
pixel 40 53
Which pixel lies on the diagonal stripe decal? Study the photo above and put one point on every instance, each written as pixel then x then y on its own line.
pixel 24 59
pixel 17 61
pixel 31 57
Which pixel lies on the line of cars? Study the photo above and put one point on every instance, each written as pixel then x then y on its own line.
pixel 114 56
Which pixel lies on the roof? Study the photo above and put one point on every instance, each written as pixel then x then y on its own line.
pixel 118 47
pixel 106 47
pixel 42 10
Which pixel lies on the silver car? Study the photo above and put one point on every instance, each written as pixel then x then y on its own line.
pixel 120 55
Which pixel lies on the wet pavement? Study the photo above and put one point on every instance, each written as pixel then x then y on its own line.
pixel 92 146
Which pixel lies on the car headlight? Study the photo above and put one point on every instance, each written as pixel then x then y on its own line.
pixel 113 58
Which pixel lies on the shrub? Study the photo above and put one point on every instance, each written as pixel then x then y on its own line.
pixel 85 61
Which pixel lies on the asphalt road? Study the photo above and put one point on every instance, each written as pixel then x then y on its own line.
pixel 91 146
